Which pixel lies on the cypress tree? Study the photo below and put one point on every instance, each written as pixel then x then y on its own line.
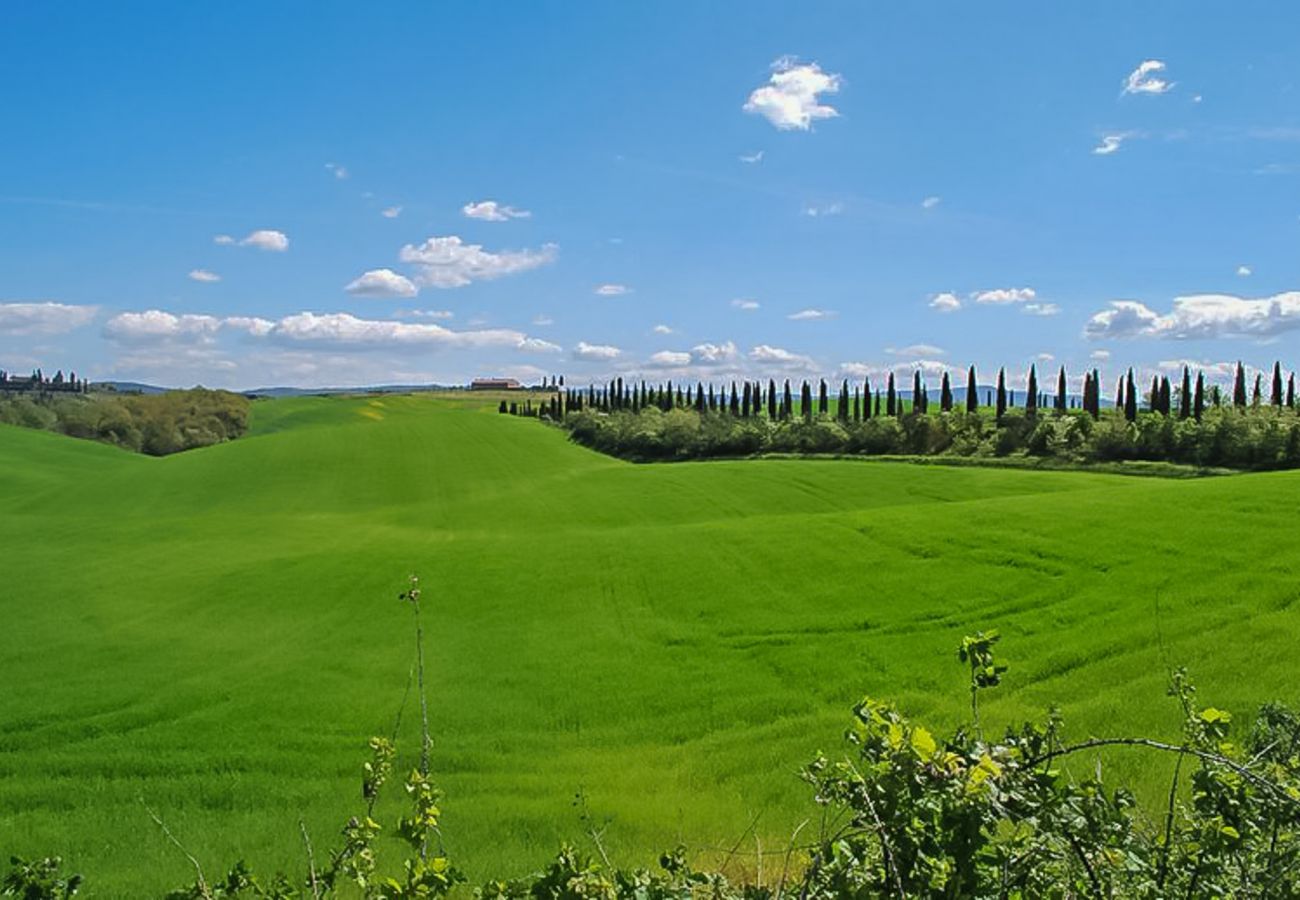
pixel 823 402
pixel 972 401
pixel 1060 391
pixel 857 405
pixel 735 400
pixel 918 398
pixel 1166 404
pixel 1002 394
pixel 1031 393
pixel 877 412
pixel 771 399
pixel 713 400
pixel 787 402
pixel 842 406
pixel 680 402
pixel 891 399
pixel 1256 394
pixel 1154 402
pixel 945 394
pixel 1290 391
pixel 745 400
pixel 1185 399
pixel 1239 387
pixel 805 402
pixel 1119 394
pixel 1130 398
pixel 866 398
pixel 1276 397
pixel 1096 393
pixel 1198 401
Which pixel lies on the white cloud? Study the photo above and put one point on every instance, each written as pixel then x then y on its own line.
pixel 1111 142
pixel 537 345
pixel 382 283
pixel 339 172
pixel 257 327
pixel 745 305
pixel 1099 355
pixel 945 302
pixel 707 354
pixel 595 352
pixel 1199 316
pixel 448 262
pixel 755 157
pixel 612 290
pixel 1040 309
pixel 1145 79
pixel 1213 370
pixel 807 315
pixel 262 239
pixel 931 202
pixel 1244 271
pixel 437 314
pixel 491 211
pixel 917 350
pixel 156 325
pixel 344 329
pixel 815 211
pixel 791 98
pixel 204 276
pixel 1005 296
pixel 662 329
pixel 1044 357
pixel 777 357
pixel 669 359
pixel 541 320
pixel 43 318
pixel 391 212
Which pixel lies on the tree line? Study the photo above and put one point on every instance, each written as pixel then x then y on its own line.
pixel 1251 425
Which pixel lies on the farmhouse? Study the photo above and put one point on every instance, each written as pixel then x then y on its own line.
pixel 494 384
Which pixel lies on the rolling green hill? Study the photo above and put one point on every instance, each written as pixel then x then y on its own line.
pixel 217 632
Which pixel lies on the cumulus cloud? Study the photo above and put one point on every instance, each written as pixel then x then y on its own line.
pixel 1004 296
pixel 751 158
pixel 338 171
pixel 1199 316
pixel 708 354
pixel 779 358
pixel 1100 355
pixel 262 239
pixel 382 283
pixel 437 314
pixel 203 276
pixel 448 262
pixel 1111 142
pixel 808 315
pixel 1040 309
pixel 43 318
pixel 744 304
pixel 1244 271
pixel 391 212
pixel 537 345
pixel 669 359
pixel 1044 357
pixel 1213 370
pixel 945 302
pixel 1145 79
pixel 156 325
pixel 916 350
pixel 931 202
pixel 612 290
pixel 662 329
pixel 254 325
pixel 595 352
pixel 492 211
pixel 791 100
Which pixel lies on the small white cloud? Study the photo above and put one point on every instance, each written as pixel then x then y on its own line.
pixel 1099 355
pixel 1044 357
pixel 669 359
pixel 1245 271
pixel 822 210
pixel 204 276
pixel 611 290
pixel 767 355
pixel 1145 79
pixel 448 262
pixel 262 239
pixel 1199 316
pixel 491 211
pixel 916 350
pixel 1111 142
pixel 537 345
pixel 792 97
pixel 662 329
pixel 43 318
pixel 156 325
pixel 707 354
pixel 382 283
pixel 744 304
pixel 751 158
pixel 1197 99
pixel 542 320
pixel 391 212
pixel 1004 296
pixel 931 202
pixel 945 302
pixel 1040 309
pixel 808 315
pixel 223 239
pixel 595 352
pixel 437 314
pixel 339 172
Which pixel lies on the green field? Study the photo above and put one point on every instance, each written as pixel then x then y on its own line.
pixel 218 631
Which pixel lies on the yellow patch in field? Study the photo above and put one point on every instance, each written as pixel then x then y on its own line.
pixel 371 414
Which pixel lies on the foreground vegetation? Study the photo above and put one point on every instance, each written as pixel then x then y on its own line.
pixel 155 424
pixel 214 632
pixel 903 814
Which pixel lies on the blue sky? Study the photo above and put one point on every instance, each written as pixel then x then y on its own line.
pixel 248 194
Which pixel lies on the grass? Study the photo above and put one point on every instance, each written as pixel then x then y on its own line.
pixel 218 632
